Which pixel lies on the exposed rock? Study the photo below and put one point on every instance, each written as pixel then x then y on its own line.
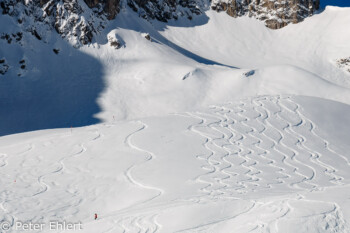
pixel 36 34
pixel 110 7
pixel 3 67
pixel 16 37
pixel 78 21
pixel 6 37
pixel 22 64
pixel 114 41
pixel 187 75
pixel 344 63
pixel 275 13
pixel 65 16
pixel 146 36
pixel 115 44
pixel 249 73
pixel 164 10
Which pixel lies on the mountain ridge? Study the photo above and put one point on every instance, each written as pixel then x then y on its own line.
pixel 80 20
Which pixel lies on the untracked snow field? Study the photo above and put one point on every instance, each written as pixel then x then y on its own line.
pixel 262 164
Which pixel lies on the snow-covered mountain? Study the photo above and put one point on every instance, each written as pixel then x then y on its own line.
pixel 78 21
pixel 60 82
pixel 193 120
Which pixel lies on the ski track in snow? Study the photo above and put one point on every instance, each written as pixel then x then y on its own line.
pixel 242 138
pixel 140 224
pixel 150 156
pixel 254 147
pixel 126 220
pixel 8 217
pixel 61 168
pixel 41 178
pixel 3 160
pixel 251 141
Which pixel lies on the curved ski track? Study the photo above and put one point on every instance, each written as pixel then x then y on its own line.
pixel 257 146
pixel 252 140
pixel 144 221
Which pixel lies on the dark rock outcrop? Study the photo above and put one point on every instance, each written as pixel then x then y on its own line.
pixel 110 7
pixel 65 16
pixel 3 66
pixel 344 63
pixel 147 36
pixel 166 9
pixel 275 13
pixel 114 41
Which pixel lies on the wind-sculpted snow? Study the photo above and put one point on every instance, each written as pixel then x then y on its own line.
pixel 260 164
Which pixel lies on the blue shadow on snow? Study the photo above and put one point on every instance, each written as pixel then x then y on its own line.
pixel 49 98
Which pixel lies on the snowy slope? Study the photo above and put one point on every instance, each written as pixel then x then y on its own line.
pixel 180 69
pixel 185 65
pixel 262 164
pixel 213 125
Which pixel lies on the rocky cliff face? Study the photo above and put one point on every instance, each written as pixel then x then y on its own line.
pixel 70 18
pixel 167 9
pixel 275 13
pixel 110 7
pixel 79 20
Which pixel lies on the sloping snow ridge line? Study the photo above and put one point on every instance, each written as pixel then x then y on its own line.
pixel 259 164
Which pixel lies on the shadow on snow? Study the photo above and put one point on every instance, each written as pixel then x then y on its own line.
pixel 61 92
